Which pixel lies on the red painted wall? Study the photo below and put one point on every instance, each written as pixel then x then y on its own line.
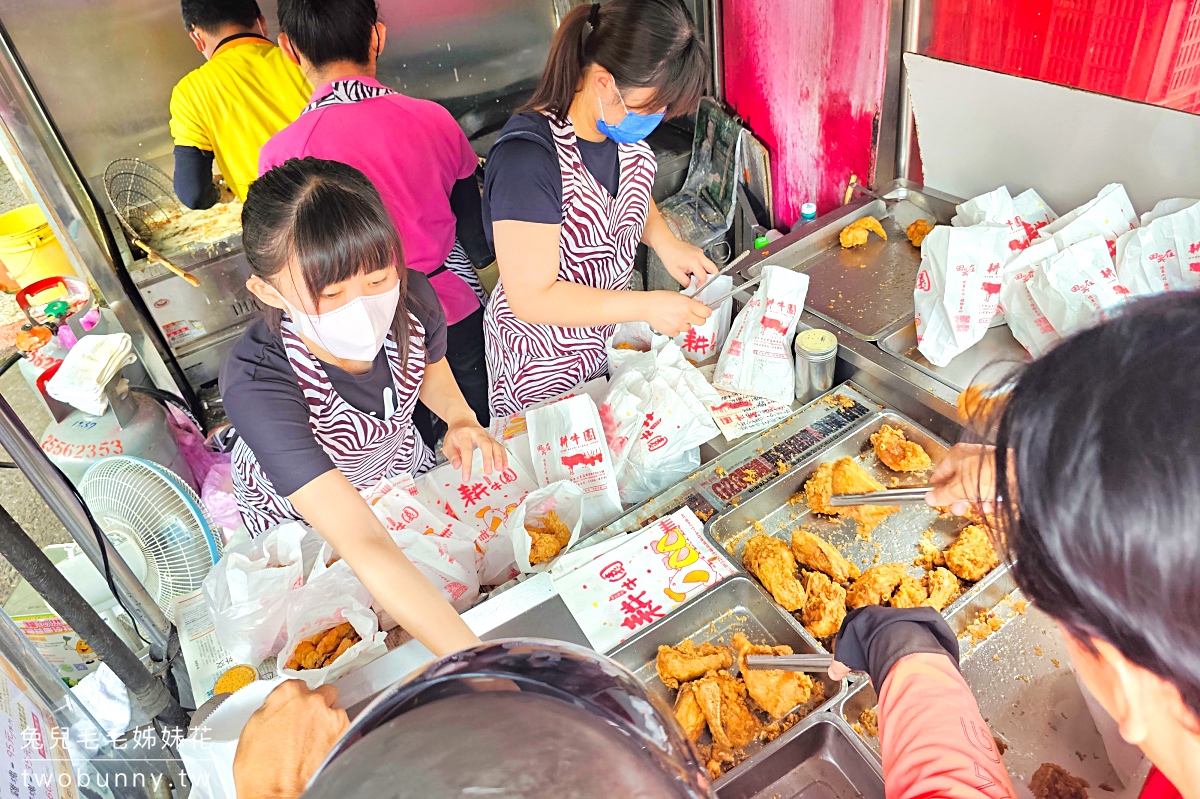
pixel 807 76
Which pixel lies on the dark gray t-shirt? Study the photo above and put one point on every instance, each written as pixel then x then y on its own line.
pixel 266 406
pixel 522 181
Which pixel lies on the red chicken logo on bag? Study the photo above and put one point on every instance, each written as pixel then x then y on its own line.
pixel 580 459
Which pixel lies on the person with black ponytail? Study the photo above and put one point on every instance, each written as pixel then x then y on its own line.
pixel 322 389
pixel 567 199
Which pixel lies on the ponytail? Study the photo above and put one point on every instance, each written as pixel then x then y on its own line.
pixel 642 43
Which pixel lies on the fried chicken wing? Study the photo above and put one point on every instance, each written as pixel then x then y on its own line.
pixel 776 691
pixel 547 538
pixel 771 561
pixel 910 593
pixel 816 553
pixel 845 476
pixel 971 556
pixel 876 585
pixel 918 230
pixel 688 712
pixel 678 664
pixel 826 605
pixel 855 234
pixel 942 586
pixel 723 700
pixel 897 452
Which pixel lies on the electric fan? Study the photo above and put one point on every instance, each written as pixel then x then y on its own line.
pixel 156 509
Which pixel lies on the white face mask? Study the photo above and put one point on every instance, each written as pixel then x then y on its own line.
pixel 354 332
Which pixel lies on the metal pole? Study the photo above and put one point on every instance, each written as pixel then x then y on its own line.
pixel 145 691
pixel 904 117
pixel 718 58
pixel 49 482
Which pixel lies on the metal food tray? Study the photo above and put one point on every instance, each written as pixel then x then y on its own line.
pixel 734 605
pixel 866 290
pixel 819 758
pixel 893 541
pixel 985 362
pixel 1027 692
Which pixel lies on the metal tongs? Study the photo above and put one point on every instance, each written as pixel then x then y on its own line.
pixel 816 663
pixel 891 496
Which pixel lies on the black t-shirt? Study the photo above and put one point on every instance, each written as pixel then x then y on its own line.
pixel 522 181
pixel 267 407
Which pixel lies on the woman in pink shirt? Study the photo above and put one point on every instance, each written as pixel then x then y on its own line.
pixel 1100 515
pixel 412 150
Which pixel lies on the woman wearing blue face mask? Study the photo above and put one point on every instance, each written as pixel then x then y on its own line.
pixel 321 390
pixel 567 199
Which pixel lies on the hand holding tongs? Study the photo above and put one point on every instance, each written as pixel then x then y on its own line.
pixel 891 496
pixel 817 663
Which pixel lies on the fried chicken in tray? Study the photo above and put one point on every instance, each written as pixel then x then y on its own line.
pixel 679 664
pixel 723 700
pixel 897 453
pixel 971 556
pixel 772 562
pixel 845 476
pixel 776 691
pixel 814 552
pixel 855 233
pixel 688 712
pixel 876 585
pixel 825 607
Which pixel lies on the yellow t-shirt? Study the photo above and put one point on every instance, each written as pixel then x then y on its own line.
pixel 231 105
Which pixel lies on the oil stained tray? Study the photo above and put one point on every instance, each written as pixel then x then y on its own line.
pixel 819 758
pixel 734 605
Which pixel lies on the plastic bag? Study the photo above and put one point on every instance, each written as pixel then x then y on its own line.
pixel 317 609
pixel 1078 287
pixel 701 342
pixel 958 288
pixel 1110 215
pixel 1025 318
pixel 249 590
pixel 630 339
pixel 566 500
pixel 568 444
pixel 1165 254
pixel 656 416
pixel 757 358
pixel 219 498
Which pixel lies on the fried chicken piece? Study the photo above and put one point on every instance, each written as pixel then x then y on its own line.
pixel 771 561
pixel 303 649
pixel 346 643
pixel 688 712
pixel 910 593
pixel 678 664
pixel 876 585
pixel 819 488
pixel 816 553
pixel 897 452
pixel 547 538
pixel 973 404
pixel 942 587
pixel 723 700
pixel 1052 781
pixel 845 476
pixel 971 556
pixel 918 230
pixel 776 691
pixel 855 233
pixel 717 759
pixel 869 719
pixel 826 605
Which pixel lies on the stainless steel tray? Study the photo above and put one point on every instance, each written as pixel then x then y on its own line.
pixel 985 362
pixel 734 605
pixel 893 541
pixel 1022 678
pixel 819 758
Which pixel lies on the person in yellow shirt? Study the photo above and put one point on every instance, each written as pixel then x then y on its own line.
pixel 227 108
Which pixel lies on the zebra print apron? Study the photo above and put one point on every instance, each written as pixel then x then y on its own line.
pixel 528 363
pixel 350 90
pixel 361 446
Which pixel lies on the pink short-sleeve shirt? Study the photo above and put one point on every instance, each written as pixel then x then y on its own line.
pixel 413 151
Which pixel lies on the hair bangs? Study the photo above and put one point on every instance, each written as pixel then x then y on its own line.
pixel 683 82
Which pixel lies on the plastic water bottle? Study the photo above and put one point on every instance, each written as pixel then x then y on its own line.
pixel 808 212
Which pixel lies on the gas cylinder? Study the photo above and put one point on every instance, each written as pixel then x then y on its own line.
pixel 133 425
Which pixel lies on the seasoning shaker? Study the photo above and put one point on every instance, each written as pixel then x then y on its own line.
pixel 816 357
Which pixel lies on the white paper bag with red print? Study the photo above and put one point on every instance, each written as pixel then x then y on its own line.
pixel 1032 214
pixel 757 358
pixel 1167 207
pixel 566 500
pixel 400 509
pixel 567 442
pixel 1110 215
pixel 702 342
pixel 315 611
pixel 1024 215
pixel 630 339
pixel 1078 287
pixel 655 418
pixel 958 288
pixel 1165 254
pixel 448 563
pixel 1025 319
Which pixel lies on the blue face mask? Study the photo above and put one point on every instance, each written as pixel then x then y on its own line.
pixel 633 128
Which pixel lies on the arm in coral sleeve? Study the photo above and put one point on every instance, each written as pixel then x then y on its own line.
pixel 935 743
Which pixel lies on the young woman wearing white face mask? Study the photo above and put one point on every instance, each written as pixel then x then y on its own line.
pixel 322 389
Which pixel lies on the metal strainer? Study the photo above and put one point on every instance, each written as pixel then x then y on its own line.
pixel 141 195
